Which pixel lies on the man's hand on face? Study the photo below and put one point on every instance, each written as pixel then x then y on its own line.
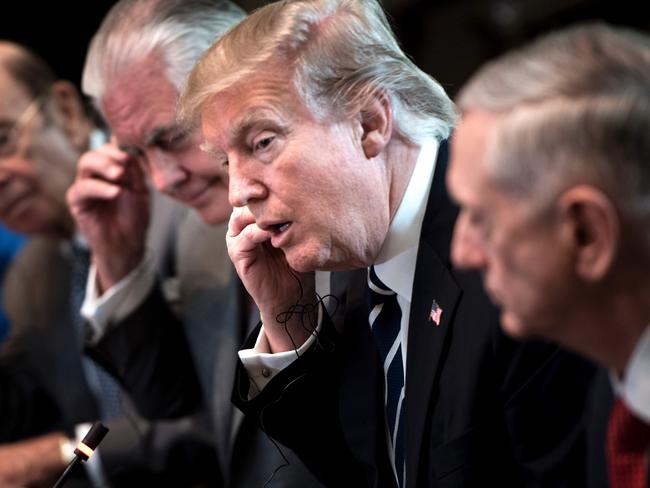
pixel 109 201
pixel 271 282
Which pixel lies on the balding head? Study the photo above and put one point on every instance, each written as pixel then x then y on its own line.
pixel 26 68
pixel 43 130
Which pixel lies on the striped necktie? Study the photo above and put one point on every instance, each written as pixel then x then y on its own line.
pixel 385 321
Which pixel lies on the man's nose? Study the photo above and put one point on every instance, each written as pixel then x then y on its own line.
pixel 243 185
pixel 466 249
pixel 166 173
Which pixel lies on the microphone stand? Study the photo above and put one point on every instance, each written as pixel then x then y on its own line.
pixel 84 450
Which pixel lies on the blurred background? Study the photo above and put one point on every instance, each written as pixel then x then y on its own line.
pixel 447 38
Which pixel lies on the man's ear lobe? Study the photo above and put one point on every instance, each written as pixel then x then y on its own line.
pixel 377 125
pixel 69 113
pixel 595 230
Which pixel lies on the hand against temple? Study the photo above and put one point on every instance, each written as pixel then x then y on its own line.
pixel 109 200
pixel 271 282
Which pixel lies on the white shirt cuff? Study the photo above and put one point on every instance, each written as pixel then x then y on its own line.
pixel 634 387
pixel 262 365
pixel 118 301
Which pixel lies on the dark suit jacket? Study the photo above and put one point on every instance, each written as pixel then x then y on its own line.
pixel 481 410
pixel 25 407
pixel 37 300
pixel 170 364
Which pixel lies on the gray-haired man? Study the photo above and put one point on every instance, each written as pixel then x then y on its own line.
pixel 550 167
pixel 136 64
pixel 336 149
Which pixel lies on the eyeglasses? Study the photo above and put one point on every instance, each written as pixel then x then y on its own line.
pixel 10 133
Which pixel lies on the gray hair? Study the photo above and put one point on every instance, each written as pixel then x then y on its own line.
pixel 575 109
pixel 179 30
pixel 342 52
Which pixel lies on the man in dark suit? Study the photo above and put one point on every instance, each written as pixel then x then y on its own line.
pixel 335 144
pixel 25 407
pixel 45 128
pixel 136 64
pixel 550 166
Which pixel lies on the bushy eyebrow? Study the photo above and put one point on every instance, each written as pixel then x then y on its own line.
pixel 252 117
pixel 161 133
pixel 257 116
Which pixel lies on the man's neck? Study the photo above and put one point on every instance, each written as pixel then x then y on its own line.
pixel 611 329
pixel 401 158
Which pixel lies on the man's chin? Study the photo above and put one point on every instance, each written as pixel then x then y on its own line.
pixel 302 262
pixel 513 326
pixel 212 216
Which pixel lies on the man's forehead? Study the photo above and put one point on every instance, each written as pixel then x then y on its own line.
pixel 470 150
pixel 13 96
pixel 229 114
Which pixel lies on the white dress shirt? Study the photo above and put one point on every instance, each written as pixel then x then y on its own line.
pixel 118 301
pixel 634 387
pixel 395 267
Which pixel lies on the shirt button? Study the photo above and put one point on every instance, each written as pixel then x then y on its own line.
pixel 265 372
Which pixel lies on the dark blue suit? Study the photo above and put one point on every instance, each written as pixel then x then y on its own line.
pixel 481 410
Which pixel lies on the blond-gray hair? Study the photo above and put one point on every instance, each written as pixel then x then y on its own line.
pixel 177 30
pixel 575 108
pixel 342 52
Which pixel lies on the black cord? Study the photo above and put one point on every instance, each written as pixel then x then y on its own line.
pixel 309 322
pixel 64 476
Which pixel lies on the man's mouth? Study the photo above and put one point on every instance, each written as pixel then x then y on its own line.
pixel 279 231
pixel 279 228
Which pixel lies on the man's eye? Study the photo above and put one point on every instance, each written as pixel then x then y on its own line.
pixel 264 143
pixel 172 142
pixel 5 142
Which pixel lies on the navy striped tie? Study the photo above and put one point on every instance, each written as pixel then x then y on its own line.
pixel 385 320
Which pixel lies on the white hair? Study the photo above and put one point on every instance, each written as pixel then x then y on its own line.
pixel 341 52
pixel 177 30
pixel 575 108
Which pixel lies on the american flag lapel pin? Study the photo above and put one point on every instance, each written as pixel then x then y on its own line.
pixel 435 314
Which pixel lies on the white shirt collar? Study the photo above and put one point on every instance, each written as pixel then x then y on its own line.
pixel 97 139
pixel 634 388
pixel 395 265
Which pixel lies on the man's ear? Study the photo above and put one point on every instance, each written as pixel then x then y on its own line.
pixel 594 230
pixel 376 124
pixel 69 113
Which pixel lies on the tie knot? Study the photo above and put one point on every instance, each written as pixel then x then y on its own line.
pixel 376 285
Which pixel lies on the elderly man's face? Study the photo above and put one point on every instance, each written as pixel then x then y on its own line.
pixel 309 181
pixel 37 164
pixel 527 270
pixel 140 108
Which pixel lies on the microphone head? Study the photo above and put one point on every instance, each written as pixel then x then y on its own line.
pixel 95 435
pixel 87 446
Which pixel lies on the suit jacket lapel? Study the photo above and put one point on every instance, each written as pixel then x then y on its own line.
pixel 361 384
pixel 425 348
pixel 432 281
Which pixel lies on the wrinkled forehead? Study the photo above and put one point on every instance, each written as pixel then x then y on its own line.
pixel 13 96
pixel 272 98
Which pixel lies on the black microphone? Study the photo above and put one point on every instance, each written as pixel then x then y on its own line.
pixel 84 450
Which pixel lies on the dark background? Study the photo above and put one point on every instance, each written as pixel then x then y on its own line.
pixel 447 38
